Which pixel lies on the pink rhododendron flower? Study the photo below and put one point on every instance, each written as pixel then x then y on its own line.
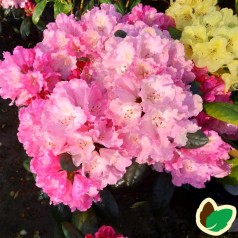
pixel 105 232
pixel 13 3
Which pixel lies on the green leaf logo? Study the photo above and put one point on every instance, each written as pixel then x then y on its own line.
pixel 215 220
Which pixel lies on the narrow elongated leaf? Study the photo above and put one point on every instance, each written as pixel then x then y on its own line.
pixel 196 140
pixel 223 112
pixel 120 7
pixel 218 220
pixel 86 222
pixel 134 3
pixel 39 8
pixel 25 28
pixel 70 231
pixel 174 33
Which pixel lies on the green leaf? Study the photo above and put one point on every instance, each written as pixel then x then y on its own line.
pixel 66 163
pixel 89 5
pixel 218 219
pixel 39 8
pixel 120 33
pixel 223 111
pixel 70 231
pixel 61 213
pixel 17 13
pixel 107 207
pixel 62 7
pixel 134 3
pixel 232 178
pixel 86 222
pixel 162 192
pixel 196 140
pixel 174 33
pixel 25 28
pixel 26 164
pixel 120 7
pixel 134 175
pixel 105 1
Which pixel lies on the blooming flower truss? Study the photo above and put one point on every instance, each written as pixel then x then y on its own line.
pixel 97 94
pixel 209 35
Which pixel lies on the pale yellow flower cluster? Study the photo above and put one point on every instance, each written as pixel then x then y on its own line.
pixel 210 36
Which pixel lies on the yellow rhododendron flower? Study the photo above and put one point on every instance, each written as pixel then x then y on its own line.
pixel 183 15
pixel 228 19
pixel 212 54
pixel 192 35
pixel 211 21
pixel 204 7
pixel 231 34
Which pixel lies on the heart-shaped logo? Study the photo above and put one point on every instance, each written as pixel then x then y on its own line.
pixel 214 220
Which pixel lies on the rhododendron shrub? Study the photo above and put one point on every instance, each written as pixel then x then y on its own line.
pixel 102 92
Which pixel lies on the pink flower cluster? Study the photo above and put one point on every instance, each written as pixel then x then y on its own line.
pixel 13 3
pixel 100 92
pixel 105 232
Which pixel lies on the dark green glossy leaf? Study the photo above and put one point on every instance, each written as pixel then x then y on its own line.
pixel 61 213
pixel 120 33
pixel 86 222
pixel 66 163
pixel 39 8
pixel 25 28
pixel 218 220
pixel 223 111
pixel 196 140
pixel 62 7
pixel 174 33
pixel 107 207
pixel 163 191
pixel 70 231
pixel 134 175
